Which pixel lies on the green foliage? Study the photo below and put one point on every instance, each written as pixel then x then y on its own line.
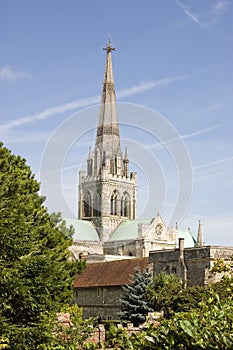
pixel 207 327
pixel 166 294
pixel 60 224
pixel 162 291
pixel 4 343
pixel 118 338
pixel 134 301
pixel 36 276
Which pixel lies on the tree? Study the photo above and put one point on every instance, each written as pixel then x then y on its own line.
pixel 36 276
pixel 60 224
pixel 167 294
pixel 135 304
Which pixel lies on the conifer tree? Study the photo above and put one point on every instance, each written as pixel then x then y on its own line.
pixel 135 305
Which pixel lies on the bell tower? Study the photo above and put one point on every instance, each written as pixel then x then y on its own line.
pixel 107 191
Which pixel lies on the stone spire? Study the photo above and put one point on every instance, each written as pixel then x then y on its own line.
pixel 107 190
pixel 199 235
pixel 108 139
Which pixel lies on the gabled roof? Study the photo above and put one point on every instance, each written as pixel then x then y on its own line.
pixel 112 273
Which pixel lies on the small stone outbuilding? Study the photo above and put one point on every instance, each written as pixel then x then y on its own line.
pixel 99 288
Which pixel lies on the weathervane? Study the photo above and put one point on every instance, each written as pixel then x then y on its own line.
pixel 109 48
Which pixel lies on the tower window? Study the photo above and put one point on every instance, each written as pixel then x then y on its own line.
pixel 125 205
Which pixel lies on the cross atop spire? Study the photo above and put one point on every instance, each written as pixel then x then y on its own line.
pixel 109 48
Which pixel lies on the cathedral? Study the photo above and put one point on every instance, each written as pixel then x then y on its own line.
pixel 107 195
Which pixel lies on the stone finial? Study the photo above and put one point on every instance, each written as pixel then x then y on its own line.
pixel 126 154
pixel 199 235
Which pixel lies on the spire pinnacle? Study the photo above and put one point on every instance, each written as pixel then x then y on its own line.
pixel 199 235
pixel 108 137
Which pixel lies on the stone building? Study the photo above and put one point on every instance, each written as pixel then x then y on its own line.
pixel 99 288
pixel 191 265
pixel 107 221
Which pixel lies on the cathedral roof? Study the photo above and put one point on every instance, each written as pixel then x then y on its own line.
pixel 128 230
pixel 189 241
pixel 84 230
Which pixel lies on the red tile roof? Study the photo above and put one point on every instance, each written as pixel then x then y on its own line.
pixel 112 273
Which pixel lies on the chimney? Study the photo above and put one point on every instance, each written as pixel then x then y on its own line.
pixel 181 248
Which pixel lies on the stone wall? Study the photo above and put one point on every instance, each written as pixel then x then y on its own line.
pixel 138 247
pixel 101 302
pixel 196 262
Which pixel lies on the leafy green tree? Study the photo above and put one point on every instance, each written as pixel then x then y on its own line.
pixel 134 301
pixel 118 338
pixel 60 224
pixel 167 294
pixel 36 276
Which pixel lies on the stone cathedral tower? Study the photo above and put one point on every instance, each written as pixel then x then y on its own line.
pixel 107 191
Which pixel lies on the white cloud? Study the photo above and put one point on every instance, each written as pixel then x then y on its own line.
pixel 211 16
pixel 201 131
pixel 8 73
pixel 188 13
pixel 185 136
pixel 220 161
pixel 138 89
pixel 51 111
pixel 220 7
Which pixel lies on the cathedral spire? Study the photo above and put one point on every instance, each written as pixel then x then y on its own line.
pixel 108 139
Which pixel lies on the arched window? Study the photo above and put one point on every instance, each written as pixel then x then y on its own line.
pixel 87 205
pixel 114 203
pixel 125 205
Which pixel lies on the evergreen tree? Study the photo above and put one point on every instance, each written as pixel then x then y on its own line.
pixel 36 276
pixel 134 301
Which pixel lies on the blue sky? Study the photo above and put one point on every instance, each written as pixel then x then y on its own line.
pixel 174 57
